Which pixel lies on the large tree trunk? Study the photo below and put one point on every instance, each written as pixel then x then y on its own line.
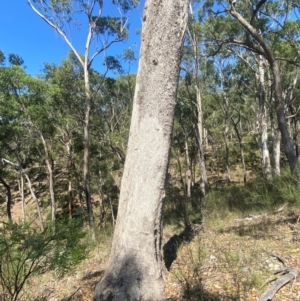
pixel 136 270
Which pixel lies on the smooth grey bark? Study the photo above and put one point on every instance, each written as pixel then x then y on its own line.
pixel 136 270
pixel 50 175
pixel 66 140
pixel 188 169
pixel 263 120
pixel 35 200
pixel 276 139
pixel 288 95
pixel 225 132
pixel 21 191
pixel 199 139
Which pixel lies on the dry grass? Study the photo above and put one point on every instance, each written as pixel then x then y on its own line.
pixel 78 285
pixel 229 260
pixel 233 261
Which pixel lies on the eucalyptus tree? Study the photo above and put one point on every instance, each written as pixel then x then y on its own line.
pixel 65 17
pixel 67 94
pixel 19 99
pixel 259 26
pixel 192 64
pixel 110 131
pixel 135 270
pixel 183 134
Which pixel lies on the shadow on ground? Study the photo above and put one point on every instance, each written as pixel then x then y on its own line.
pixel 171 247
pixel 262 227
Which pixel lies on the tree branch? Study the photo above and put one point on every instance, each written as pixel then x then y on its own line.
pixel 59 30
pixel 257 8
pixel 267 52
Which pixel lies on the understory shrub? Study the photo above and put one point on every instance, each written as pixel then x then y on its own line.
pixel 25 251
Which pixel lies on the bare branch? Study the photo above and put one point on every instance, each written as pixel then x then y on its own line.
pixel 257 8
pixel 59 30
pixel 103 49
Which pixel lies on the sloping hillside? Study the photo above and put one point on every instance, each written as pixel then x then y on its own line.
pixel 227 259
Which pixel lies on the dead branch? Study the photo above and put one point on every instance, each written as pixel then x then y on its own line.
pixel 290 274
pixel 280 209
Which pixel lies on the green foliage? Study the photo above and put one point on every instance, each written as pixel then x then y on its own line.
pixel 15 60
pixel 25 252
pixel 2 58
pixel 126 5
pixel 111 26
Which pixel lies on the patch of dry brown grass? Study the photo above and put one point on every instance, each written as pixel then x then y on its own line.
pixel 233 261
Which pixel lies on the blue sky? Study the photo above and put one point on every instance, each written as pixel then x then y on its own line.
pixel 23 32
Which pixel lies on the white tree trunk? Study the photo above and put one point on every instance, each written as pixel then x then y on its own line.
pixel 188 169
pixel 276 152
pixel 200 129
pixel 226 133
pixel 21 191
pixel 50 175
pixel 266 164
pixel 136 270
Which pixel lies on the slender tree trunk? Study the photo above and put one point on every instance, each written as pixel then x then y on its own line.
pixel 294 121
pixel 199 135
pixel 263 120
pixel 69 167
pixel 203 173
pixel 36 201
pixel 276 152
pixel 101 197
pixel 282 125
pixel 50 175
pixel 21 191
pixel 100 192
pixel 226 138
pixel 188 169
pixel 289 95
pixel 276 149
pixel 22 171
pixel 8 204
pixel 240 139
pixel 183 185
pixel 86 155
pixel 204 184
pixel 136 270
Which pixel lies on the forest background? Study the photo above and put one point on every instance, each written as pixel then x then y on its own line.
pixel 229 148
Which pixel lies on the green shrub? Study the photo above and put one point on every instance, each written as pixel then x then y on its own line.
pixel 24 252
